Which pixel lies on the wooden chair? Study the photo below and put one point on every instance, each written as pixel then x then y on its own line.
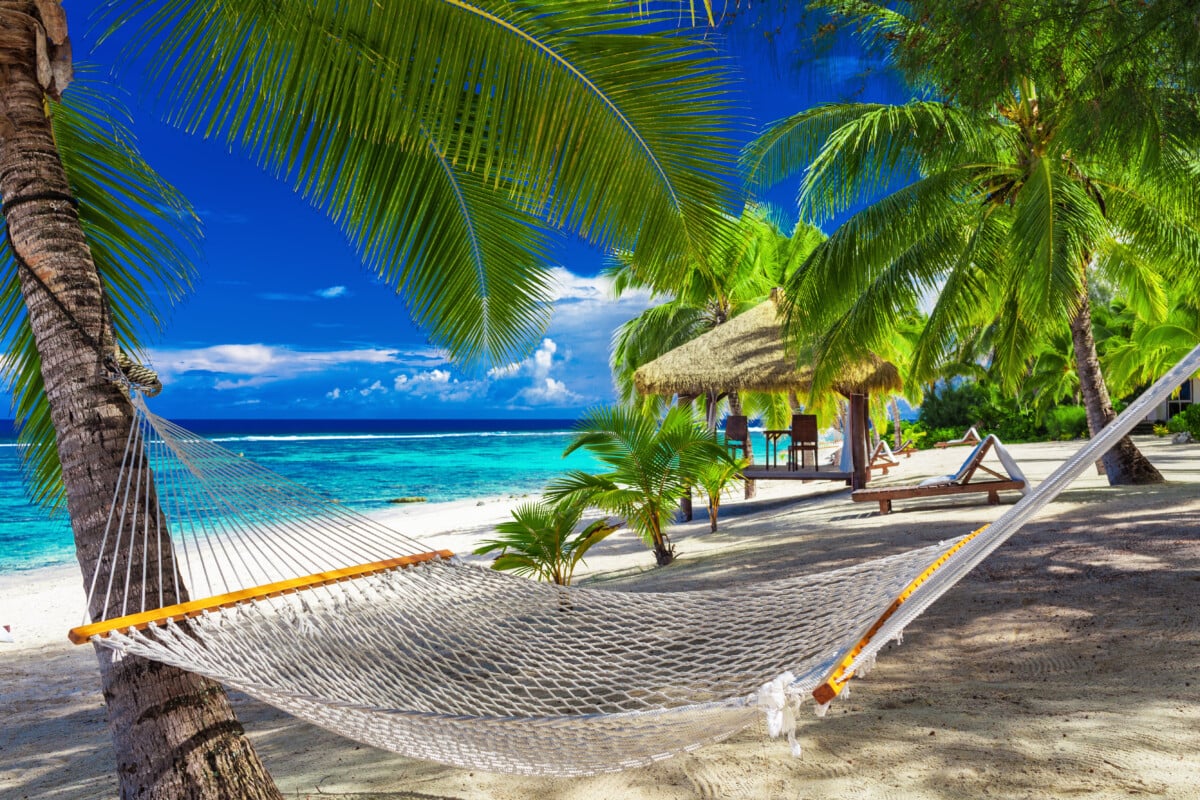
pixel 907 449
pixel 737 433
pixel 970 437
pixel 959 483
pixel 802 449
pixel 882 458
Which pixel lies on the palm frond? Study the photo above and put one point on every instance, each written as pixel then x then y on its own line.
pixel 586 114
pixel 144 238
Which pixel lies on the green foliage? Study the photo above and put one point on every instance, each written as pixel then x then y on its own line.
pixel 445 140
pixel 541 542
pixel 651 467
pixel 1187 421
pixel 913 431
pixel 1067 422
pixel 955 405
pixel 737 274
pixel 144 237
pixel 1009 195
pixel 716 479
pixel 951 408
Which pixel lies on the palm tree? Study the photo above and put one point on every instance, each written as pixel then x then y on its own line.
pixel 735 277
pixel 1146 348
pixel 540 540
pixel 652 466
pixel 443 140
pixel 1014 210
pixel 714 479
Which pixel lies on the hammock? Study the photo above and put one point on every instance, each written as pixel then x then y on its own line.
pixel 435 658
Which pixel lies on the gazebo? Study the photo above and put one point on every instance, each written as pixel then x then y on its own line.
pixel 748 353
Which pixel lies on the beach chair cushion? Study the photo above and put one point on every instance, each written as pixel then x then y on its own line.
pixel 959 482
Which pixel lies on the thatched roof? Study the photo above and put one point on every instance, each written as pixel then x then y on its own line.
pixel 747 353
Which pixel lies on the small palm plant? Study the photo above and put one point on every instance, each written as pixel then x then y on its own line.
pixel 716 479
pixel 540 541
pixel 652 467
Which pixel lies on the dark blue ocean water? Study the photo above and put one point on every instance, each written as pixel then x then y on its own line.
pixel 362 463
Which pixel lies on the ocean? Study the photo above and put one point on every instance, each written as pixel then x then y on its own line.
pixel 361 463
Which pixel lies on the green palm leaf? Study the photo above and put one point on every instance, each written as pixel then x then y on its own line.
pixel 584 114
pixel 144 237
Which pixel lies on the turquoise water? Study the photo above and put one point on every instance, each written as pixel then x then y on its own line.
pixel 361 463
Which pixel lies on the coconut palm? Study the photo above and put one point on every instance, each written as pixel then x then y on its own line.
pixel 1011 212
pixel 651 467
pixel 443 140
pixel 715 479
pixel 736 276
pixel 1146 349
pixel 540 540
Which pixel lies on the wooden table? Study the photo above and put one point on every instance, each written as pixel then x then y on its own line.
pixel 773 437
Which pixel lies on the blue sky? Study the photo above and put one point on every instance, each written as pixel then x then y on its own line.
pixel 285 322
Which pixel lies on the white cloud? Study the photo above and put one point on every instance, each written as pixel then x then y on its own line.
pixel 375 387
pixel 543 357
pixel 548 392
pixel 247 365
pixel 439 384
pixel 537 365
pixel 319 294
pixel 334 393
pixel 542 390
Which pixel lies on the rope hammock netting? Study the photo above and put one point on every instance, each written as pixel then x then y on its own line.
pixel 435 658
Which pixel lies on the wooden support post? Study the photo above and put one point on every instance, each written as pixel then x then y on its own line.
pixel 857 440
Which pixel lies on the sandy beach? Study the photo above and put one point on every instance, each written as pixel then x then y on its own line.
pixel 1067 665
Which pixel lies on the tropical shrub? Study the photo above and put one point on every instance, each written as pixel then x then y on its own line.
pixel 954 406
pixel 716 479
pixel 1187 421
pixel 1067 422
pixel 540 540
pixel 652 466
pixel 1160 429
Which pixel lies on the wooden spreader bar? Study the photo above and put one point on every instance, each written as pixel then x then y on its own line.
pixel 841 675
pixel 194 608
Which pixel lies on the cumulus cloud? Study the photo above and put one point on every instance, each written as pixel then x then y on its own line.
pixel 334 393
pixel 376 387
pixel 440 385
pixel 542 390
pixel 548 392
pixel 332 292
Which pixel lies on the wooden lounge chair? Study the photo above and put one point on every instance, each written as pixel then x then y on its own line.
pixel 802 449
pixel 737 433
pixel 959 483
pixel 882 458
pixel 970 437
pixel 907 449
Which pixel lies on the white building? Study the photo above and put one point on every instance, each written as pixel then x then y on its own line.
pixel 1188 393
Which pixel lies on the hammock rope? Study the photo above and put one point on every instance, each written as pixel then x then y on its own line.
pixel 436 658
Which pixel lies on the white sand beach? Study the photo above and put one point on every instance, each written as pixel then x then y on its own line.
pixel 1067 665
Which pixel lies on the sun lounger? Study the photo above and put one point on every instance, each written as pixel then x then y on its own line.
pixel 907 449
pixel 970 437
pixel 960 482
pixel 882 458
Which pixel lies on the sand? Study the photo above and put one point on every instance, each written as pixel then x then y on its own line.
pixel 1067 665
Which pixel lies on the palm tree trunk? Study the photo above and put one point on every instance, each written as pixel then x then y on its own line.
pixel 174 733
pixel 1124 464
pixel 897 434
pixel 735 407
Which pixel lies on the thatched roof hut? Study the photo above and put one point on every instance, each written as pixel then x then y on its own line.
pixel 747 353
